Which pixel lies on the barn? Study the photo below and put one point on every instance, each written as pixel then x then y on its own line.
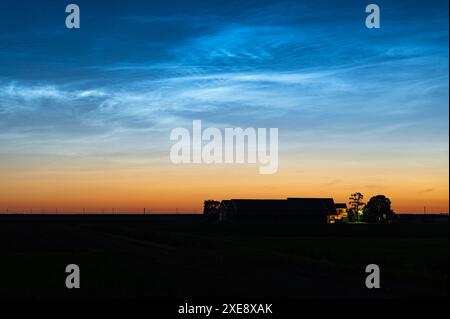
pixel 314 210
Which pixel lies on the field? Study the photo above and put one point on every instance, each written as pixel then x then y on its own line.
pixel 189 257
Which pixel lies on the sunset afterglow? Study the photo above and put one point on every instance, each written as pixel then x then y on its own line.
pixel 86 114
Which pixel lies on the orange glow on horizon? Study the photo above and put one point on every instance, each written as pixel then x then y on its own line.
pixel 168 187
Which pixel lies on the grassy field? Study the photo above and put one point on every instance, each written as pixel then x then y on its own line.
pixel 188 257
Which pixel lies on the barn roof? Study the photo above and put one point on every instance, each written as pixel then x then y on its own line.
pixel 290 206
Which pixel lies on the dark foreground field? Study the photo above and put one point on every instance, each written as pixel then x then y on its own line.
pixel 187 257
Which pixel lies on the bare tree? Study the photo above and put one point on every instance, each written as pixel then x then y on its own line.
pixel 211 207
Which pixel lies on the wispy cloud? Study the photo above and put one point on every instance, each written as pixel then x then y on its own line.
pixel 427 190
pixel 316 74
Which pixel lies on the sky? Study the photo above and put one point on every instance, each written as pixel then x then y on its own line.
pixel 86 114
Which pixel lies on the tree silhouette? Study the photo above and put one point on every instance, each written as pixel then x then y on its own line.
pixel 378 210
pixel 355 201
pixel 211 207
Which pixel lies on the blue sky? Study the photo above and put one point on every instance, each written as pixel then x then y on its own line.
pixel 296 64
pixel 137 69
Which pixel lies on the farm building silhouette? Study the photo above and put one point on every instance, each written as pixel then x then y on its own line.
pixel 312 210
